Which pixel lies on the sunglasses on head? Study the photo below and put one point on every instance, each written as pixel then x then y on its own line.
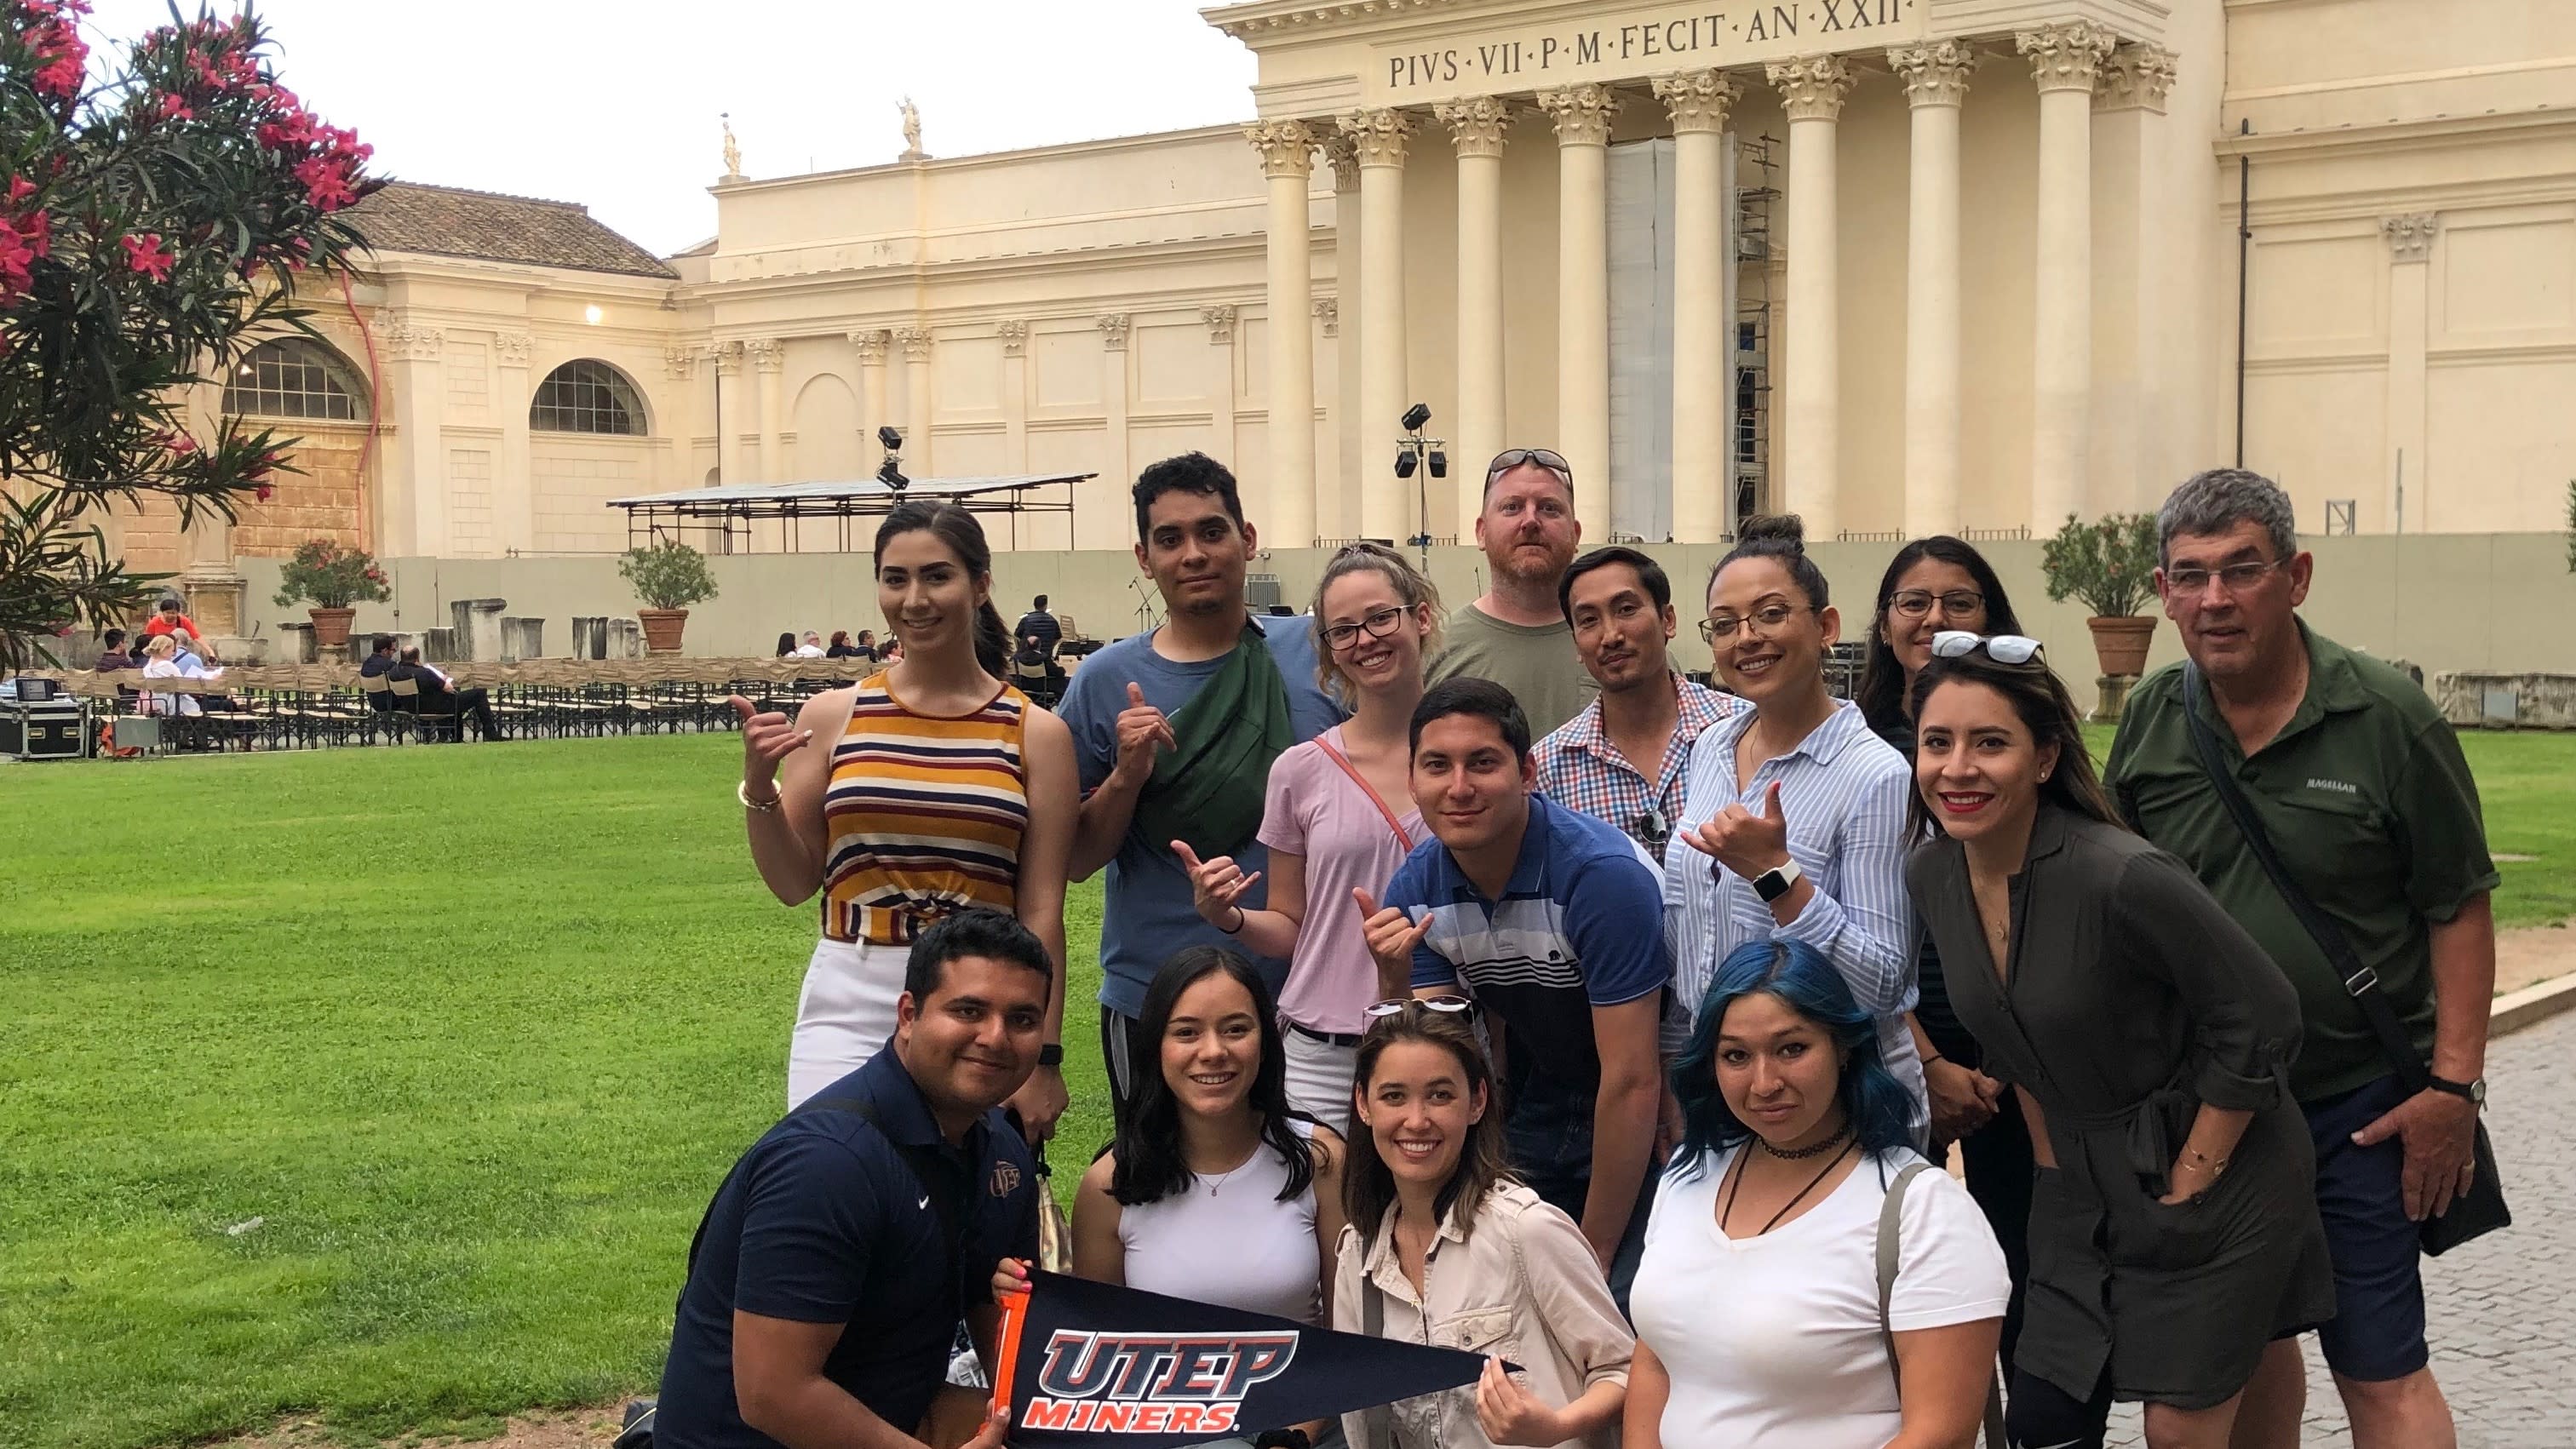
pixel 1511 458
pixel 2001 648
pixel 1401 1004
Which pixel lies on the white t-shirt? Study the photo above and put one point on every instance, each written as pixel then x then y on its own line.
pixel 1772 1342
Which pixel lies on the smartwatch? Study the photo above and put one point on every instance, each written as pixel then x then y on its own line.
pixel 1051 1055
pixel 1772 884
pixel 2475 1091
pixel 1284 1439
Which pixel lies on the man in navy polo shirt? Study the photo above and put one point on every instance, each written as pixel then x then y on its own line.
pixel 829 1275
pixel 1550 918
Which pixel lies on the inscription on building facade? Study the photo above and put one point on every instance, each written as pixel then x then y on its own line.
pixel 1633 43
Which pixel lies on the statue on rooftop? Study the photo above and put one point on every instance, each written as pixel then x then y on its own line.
pixel 912 132
pixel 732 149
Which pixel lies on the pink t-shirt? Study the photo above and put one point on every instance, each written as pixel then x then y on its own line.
pixel 1317 811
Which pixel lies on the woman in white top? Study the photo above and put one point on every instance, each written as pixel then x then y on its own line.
pixel 161 661
pixel 1445 1248
pixel 1339 818
pixel 1759 1301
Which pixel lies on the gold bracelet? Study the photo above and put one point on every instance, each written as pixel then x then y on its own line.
pixel 742 792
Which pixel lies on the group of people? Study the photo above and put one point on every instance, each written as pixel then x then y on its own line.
pixel 439 697
pixel 845 645
pixel 1489 935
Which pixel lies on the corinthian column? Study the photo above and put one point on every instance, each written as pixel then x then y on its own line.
pixel 1288 161
pixel 2131 433
pixel 1698 101
pixel 768 359
pixel 1582 118
pixel 1811 94
pixel 729 414
pixel 1379 137
pixel 1936 82
pixel 871 343
pixel 1476 127
pixel 915 342
pixel 2065 60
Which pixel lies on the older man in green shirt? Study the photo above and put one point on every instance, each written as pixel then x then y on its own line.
pixel 2363 790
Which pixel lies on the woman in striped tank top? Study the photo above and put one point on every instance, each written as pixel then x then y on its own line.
pixel 928 787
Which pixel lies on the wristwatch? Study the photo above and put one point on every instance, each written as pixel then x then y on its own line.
pixel 1772 884
pixel 2475 1091
pixel 1284 1439
pixel 1051 1054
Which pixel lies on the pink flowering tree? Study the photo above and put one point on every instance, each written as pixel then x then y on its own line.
pixel 157 210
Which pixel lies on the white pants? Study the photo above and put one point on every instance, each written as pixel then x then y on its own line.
pixel 846 1014
pixel 1319 1078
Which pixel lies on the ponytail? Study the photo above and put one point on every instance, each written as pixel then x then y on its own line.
pixel 992 641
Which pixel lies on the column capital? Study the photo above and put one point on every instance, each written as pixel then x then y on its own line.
pixel 679 363
pixel 728 357
pixel 1935 73
pixel 1220 322
pixel 1328 311
pixel 871 343
pixel 1811 87
pixel 413 341
pixel 2137 77
pixel 1476 125
pixel 2067 56
pixel 1344 157
pixel 1378 134
pixel 513 348
pixel 1287 148
pixel 915 342
pixel 2410 237
pixel 1698 99
pixel 767 354
pixel 1015 337
pixel 1581 113
pixel 1113 330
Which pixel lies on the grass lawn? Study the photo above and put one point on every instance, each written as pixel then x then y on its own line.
pixel 470 1035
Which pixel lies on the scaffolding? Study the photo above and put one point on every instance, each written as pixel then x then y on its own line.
pixel 1750 447
pixel 722 519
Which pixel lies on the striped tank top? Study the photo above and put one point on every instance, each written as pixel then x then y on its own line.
pixel 923 815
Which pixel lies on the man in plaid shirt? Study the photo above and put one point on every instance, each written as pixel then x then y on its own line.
pixel 1626 757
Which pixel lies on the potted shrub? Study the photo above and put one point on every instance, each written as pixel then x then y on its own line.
pixel 2109 565
pixel 335 577
pixel 668 577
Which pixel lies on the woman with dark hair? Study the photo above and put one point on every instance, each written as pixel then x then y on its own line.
pixel 927 787
pixel 1339 815
pixel 787 644
pixel 1931 585
pixel 841 647
pixel 1446 1248
pixel 1793 820
pixel 1794 1140
pixel 2174 1238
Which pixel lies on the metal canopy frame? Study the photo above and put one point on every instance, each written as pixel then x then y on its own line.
pixel 720 519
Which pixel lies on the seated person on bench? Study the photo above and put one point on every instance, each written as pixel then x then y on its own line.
pixel 439 697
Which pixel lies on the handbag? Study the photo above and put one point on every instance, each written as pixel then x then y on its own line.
pixel 2482 1209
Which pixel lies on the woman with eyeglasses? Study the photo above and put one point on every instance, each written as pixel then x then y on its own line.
pixel 1936 584
pixel 1445 1248
pixel 1796 1168
pixel 1793 823
pixel 1215 1189
pixel 1339 815
pixel 2174 1238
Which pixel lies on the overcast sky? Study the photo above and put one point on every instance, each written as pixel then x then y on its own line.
pixel 614 103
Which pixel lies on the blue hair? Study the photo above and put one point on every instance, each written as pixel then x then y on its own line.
pixel 1880 1111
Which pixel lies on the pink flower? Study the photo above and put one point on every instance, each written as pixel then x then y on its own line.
pixel 145 254
pixel 326 182
pixel 264 492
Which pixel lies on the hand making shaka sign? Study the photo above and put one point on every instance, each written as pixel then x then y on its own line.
pixel 1750 845
pixel 1216 887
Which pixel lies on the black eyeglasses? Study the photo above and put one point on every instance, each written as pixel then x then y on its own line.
pixel 1766 621
pixel 2236 578
pixel 1510 458
pixel 1956 604
pixel 1376 625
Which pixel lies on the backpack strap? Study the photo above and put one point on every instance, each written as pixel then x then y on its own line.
pixel 948 1199
pixel 1891 1214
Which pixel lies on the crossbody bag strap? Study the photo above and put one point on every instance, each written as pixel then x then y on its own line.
pixel 2359 979
pixel 1377 1422
pixel 1402 836
pixel 1890 1210
pixel 925 1168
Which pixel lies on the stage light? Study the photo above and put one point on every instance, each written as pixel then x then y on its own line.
pixel 891 438
pixel 1404 464
pixel 1415 416
pixel 1439 464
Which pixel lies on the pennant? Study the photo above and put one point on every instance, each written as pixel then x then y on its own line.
pixel 1086 1363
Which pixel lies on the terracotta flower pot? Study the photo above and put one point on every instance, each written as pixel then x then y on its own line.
pixel 2121 643
pixel 331 626
pixel 662 629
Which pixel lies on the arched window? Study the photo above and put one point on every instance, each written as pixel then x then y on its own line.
pixel 296 377
pixel 587 396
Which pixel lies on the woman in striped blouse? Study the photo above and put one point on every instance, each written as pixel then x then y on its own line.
pixel 930 786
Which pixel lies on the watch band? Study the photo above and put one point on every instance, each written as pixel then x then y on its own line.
pixel 1774 883
pixel 1051 1055
pixel 2470 1091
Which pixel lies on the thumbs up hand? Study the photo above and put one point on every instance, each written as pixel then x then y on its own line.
pixel 1391 936
pixel 1745 843
pixel 1142 730
pixel 767 738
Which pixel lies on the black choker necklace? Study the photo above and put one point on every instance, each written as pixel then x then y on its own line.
pixel 1795 1153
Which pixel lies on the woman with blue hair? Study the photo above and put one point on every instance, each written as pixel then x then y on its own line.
pixel 1796 1163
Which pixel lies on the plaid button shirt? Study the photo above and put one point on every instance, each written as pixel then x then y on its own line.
pixel 1580 768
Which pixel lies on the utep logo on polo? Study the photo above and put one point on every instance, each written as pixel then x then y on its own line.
pixel 1006 1178
pixel 1153 1383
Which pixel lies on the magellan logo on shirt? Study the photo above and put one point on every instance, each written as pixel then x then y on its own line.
pixel 1153 1383
pixel 2340 787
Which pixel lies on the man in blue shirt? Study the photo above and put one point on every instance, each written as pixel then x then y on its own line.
pixel 1175 730
pixel 1548 917
pixel 829 1275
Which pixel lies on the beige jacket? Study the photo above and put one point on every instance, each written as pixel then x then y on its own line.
pixel 1523 1287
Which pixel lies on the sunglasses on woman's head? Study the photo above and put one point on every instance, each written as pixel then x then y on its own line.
pixel 1398 1006
pixel 2001 648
